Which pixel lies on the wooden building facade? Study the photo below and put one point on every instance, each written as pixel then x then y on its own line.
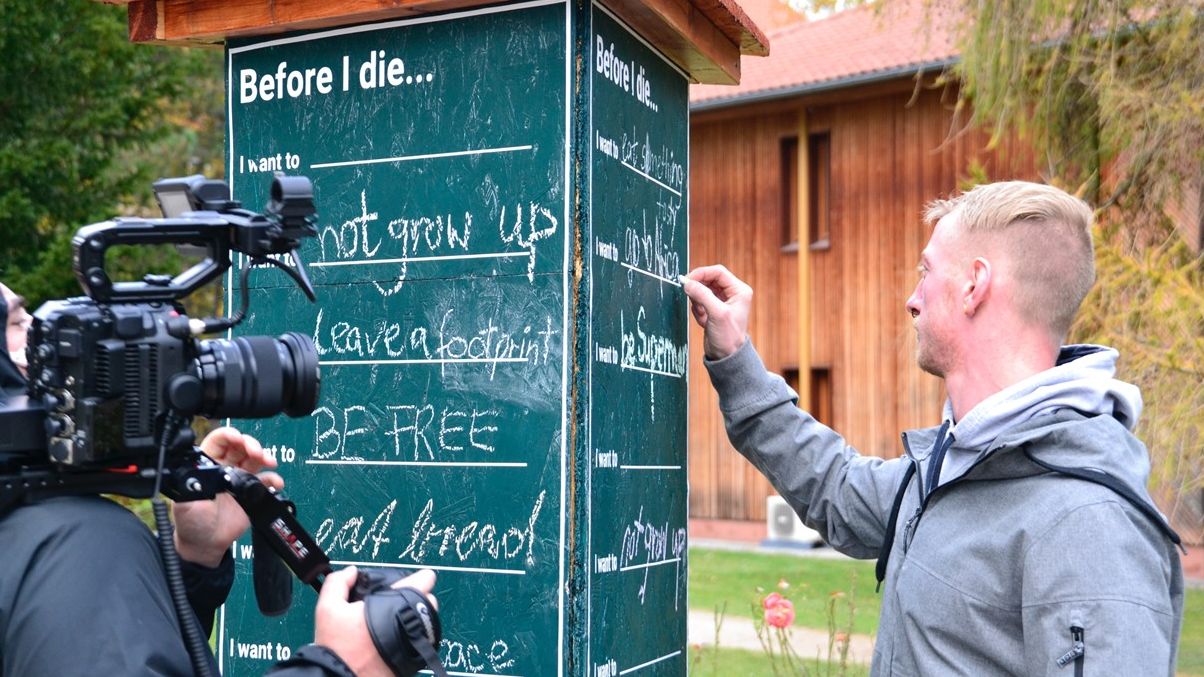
pixel 810 185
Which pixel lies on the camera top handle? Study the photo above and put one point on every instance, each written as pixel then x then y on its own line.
pixel 200 213
pixel 91 243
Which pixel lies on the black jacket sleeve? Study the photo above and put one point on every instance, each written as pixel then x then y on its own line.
pixel 312 660
pixel 207 588
pixel 82 592
pixel 85 571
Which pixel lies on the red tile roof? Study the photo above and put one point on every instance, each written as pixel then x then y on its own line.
pixel 863 44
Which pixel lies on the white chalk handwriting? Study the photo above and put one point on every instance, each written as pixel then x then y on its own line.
pixel 647 545
pixel 656 160
pixel 648 249
pixel 470 658
pixel 432 539
pixel 465 337
pixel 418 430
pixel 426 237
pixel 649 352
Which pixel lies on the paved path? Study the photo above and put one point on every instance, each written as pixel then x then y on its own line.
pixel 739 633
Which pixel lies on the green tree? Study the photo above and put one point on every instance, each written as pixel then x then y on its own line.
pixel 87 121
pixel 1111 95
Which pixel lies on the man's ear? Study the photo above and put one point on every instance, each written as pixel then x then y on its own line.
pixel 978 288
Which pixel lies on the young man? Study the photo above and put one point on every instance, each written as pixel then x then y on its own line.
pixel 1018 537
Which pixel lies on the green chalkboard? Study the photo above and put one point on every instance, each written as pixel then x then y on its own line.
pixel 638 337
pixel 502 341
pixel 437 151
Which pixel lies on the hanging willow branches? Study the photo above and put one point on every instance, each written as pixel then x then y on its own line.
pixel 1111 96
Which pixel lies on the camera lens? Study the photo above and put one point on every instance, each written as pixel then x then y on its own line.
pixel 258 376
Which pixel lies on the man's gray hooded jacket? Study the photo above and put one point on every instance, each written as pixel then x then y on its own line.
pixel 999 562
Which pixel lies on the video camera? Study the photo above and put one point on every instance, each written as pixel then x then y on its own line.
pixel 106 370
pixel 116 377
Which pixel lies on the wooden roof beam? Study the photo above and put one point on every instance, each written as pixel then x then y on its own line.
pixel 686 35
pixel 704 37
pixel 213 21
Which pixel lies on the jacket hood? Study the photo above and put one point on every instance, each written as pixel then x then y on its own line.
pixel 11 381
pixel 1082 382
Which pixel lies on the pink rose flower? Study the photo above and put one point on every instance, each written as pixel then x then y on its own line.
pixel 779 611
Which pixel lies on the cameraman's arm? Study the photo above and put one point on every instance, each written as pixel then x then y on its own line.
pixel 205 529
pixel 207 588
pixel 342 645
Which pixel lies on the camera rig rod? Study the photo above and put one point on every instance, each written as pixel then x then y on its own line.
pixel 278 537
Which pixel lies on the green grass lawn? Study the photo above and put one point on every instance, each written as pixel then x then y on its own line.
pixel 737 581
pixel 1191 641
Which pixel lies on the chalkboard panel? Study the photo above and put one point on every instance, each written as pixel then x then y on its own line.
pixel 638 344
pixel 501 333
pixel 437 149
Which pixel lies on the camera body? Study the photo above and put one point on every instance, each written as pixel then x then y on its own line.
pixel 100 373
pixel 107 371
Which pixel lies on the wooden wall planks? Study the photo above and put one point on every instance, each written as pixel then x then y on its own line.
pixel 890 156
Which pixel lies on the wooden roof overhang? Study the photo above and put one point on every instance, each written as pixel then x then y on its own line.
pixel 705 38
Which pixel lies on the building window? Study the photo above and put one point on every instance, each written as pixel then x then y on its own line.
pixel 819 190
pixel 789 183
pixel 821 395
pixel 821 391
pixel 790 375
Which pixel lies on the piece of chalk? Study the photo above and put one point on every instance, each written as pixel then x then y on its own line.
pixel 683 279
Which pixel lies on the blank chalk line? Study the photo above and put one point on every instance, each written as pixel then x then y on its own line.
pixel 426 156
pixel 438 464
pixel 453 673
pixel 646 176
pixel 511 572
pixel 651 662
pixel 419 259
pixel 649 273
pixel 644 369
pixel 647 565
pixel 450 360
pixel 650 467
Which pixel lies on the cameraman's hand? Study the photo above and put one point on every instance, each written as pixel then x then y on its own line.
pixel 205 529
pixel 341 626
pixel 720 302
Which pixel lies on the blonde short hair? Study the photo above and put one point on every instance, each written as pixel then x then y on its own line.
pixel 1045 234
